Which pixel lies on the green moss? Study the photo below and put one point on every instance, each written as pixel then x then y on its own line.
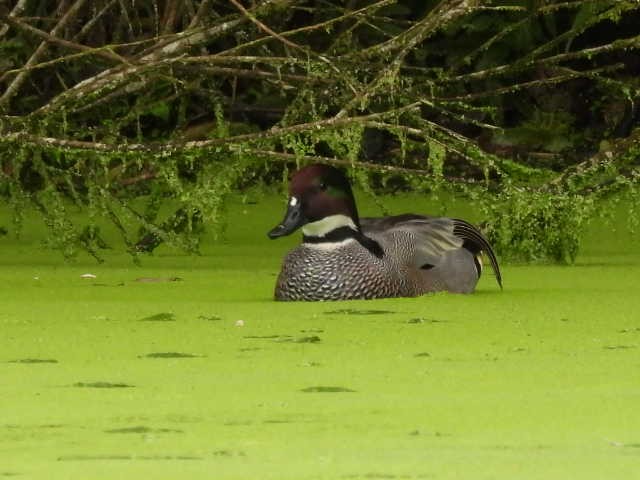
pixel 526 383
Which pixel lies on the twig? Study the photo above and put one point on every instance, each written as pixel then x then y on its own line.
pixel 244 73
pixel 633 42
pixel 618 149
pixel 430 132
pixel 204 5
pixel 100 52
pixel 200 144
pixel 444 13
pixel 265 28
pixel 291 44
pixel 292 157
pixel 460 118
pixel 156 57
pixel 171 47
pixel 618 9
pixel 513 27
pixel 534 83
pixel 503 8
pixel 113 77
pixel 309 28
pixel 75 56
pixel 441 15
pixel 89 25
pixel 170 16
pixel 150 175
pixel 17 10
pixel 182 41
pixel 125 16
pixel 17 82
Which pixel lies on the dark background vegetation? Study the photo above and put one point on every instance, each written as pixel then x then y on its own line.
pixel 529 109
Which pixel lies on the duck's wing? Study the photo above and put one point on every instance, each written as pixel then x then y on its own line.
pixel 435 236
pixel 383 224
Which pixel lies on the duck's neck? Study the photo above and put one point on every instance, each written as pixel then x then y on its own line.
pixel 329 227
pixel 336 229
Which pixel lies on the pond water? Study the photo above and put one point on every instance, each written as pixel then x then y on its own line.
pixel 184 367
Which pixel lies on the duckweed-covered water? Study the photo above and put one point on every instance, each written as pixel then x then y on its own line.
pixel 185 368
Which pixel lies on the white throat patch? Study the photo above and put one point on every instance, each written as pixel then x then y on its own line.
pixel 329 245
pixel 327 224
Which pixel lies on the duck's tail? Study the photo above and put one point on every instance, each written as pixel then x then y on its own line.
pixel 475 242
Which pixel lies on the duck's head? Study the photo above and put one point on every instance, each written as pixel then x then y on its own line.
pixel 320 201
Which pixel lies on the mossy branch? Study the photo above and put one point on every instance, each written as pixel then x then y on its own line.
pixel 190 100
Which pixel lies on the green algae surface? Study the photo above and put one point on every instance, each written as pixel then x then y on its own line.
pixel 184 367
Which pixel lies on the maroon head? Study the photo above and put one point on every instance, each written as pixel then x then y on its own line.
pixel 320 199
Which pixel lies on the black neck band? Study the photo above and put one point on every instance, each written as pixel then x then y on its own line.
pixel 337 235
pixel 343 233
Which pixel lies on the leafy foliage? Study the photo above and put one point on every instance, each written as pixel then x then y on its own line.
pixel 120 108
pixel 553 223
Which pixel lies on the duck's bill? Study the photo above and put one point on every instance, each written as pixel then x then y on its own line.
pixel 293 220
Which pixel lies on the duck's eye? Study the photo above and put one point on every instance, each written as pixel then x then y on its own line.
pixel 323 186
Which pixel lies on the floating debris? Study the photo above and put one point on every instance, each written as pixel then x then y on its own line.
pixel 321 389
pixel 171 355
pixel 88 275
pixel 425 320
pixel 353 311
pixel 158 279
pixel 229 453
pixel 101 385
pixel 159 317
pixel 311 364
pixel 70 458
pixel 267 337
pixel 311 339
pixel 33 360
pixel 143 429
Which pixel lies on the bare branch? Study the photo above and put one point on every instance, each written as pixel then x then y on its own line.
pixel 204 6
pixel 14 87
pixel 546 9
pixel 16 12
pixel 447 11
pixel 616 151
pixel 200 144
pixel 622 44
pixel 618 9
pixel 264 27
pixel 93 21
pixel 105 53
pixel 571 75
pixel 308 28
pixel 182 41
